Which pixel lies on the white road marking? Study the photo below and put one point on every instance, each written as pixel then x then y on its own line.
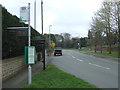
pixel 98 66
pixel 91 63
pixel 79 60
pixel 73 57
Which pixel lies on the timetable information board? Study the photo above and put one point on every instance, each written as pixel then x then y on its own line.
pixel 31 55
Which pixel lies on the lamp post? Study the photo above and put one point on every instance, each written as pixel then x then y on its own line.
pixel 49 33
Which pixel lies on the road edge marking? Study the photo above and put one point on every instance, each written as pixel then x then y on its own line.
pixel 79 60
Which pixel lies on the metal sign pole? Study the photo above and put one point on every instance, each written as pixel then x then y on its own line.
pixel 29 42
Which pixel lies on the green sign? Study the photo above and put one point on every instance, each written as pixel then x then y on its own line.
pixel 22 21
pixel 29 55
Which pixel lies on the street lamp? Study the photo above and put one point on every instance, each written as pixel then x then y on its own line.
pixel 49 33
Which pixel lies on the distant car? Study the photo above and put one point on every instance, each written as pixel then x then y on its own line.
pixel 57 51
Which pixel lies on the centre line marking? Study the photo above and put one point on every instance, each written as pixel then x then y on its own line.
pixel 98 66
pixel 73 57
pixel 79 60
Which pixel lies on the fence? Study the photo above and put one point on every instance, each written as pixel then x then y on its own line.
pixel 98 48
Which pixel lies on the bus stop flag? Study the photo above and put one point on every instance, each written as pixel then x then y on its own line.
pixel 23 14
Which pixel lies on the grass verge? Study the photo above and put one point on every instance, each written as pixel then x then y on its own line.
pixel 52 77
pixel 113 54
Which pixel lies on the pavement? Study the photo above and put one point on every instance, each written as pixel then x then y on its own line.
pixel 18 80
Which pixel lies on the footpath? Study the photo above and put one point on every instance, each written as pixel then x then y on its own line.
pixel 18 80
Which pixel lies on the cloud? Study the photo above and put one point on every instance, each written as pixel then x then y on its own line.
pixel 71 16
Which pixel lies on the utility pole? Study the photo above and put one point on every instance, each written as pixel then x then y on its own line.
pixel 42 16
pixel 35 14
pixel 43 52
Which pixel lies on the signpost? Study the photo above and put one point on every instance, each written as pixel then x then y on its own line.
pixel 19 31
pixel 29 43
pixel 30 57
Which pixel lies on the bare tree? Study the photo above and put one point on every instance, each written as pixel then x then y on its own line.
pixel 106 24
pixel 67 39
pixel 97 28
pixel 90 38
pixel 104 15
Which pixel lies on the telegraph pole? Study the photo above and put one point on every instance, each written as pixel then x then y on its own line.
pixel 43 52
pixel 42 16
pixel 35 14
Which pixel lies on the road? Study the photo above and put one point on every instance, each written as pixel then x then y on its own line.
pixel 101 72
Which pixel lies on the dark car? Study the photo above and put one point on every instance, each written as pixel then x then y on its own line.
pixel 57 51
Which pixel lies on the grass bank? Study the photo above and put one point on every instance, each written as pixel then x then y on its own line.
pixel 52 77
pixel 106 53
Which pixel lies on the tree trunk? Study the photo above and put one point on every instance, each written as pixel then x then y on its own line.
pixel 95 48
pixel 90 47
pixel 110 49
pixel 101 48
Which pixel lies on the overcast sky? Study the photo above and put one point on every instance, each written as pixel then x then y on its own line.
pixel 70 16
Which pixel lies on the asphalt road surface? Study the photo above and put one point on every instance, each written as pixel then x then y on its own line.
pixel 99 71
